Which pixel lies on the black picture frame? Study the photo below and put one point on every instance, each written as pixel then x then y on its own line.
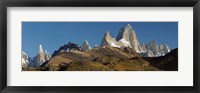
pixel 98 3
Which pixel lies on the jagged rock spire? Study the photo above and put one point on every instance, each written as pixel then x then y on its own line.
pixel 40 58
pixel 154 50
pixel 47 55
pixel 127 34
pixel 109 41
pixel 86 45
pixel 40 48
pixel 143 47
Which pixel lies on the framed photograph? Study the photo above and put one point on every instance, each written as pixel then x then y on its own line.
pixel 134 46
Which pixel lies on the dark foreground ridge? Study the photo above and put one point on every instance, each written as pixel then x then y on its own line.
pixel 169 62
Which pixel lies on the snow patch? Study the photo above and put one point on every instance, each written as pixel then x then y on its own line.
pixel 113 44
pixel 126 43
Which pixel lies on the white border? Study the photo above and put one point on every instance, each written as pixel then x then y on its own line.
pixel 183 77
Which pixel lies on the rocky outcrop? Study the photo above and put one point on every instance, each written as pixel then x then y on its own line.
pixel 47 55
pixel 143 47
pixel 36 61
pixel 109 41
pixel 67 48
pixel 25 59
pixel 163 49
pixel 152 49
pixel 148 53
pixel 152 46
pixel 86 45
pixel 40 58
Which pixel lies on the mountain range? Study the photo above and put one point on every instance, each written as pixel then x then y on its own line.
pixel 127 38
pixel 36 61
pixel 125 46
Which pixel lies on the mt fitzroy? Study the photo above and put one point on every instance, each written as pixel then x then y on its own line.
pixel 127 38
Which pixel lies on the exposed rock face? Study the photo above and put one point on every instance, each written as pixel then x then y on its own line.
pixel 148 53
pixel 152 49
pixel 128 37
pixel 143 47
pixel 109 41
pixel 112 42
pixel 152 46
pixel 67 48
pixel 40 58
pixel 25 59
pixel 163 49
pixel 47 55
pixel 36 61
pixel 86 45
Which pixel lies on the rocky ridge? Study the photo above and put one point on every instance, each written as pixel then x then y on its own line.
pixel 127 38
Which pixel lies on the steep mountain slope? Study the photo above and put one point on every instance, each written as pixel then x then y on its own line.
pixel 128 36
pixel 40 58
pixel 109 59
pixel 152 49
pixel 169 62
pixel 90 55
pixel 109 41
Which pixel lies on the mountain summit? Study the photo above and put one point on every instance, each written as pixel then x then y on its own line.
pixel 109 41
pixel 123 53
pixel 152 49
pixel 86 45
pixel 127 36
pixel 40 58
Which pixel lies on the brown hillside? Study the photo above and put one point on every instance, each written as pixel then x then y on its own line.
pixel 109 59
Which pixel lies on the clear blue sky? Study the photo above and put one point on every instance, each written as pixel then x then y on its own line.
pixel 52 35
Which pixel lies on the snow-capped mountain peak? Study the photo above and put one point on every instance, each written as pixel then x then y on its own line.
pixel 127 38
pixel 152 49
